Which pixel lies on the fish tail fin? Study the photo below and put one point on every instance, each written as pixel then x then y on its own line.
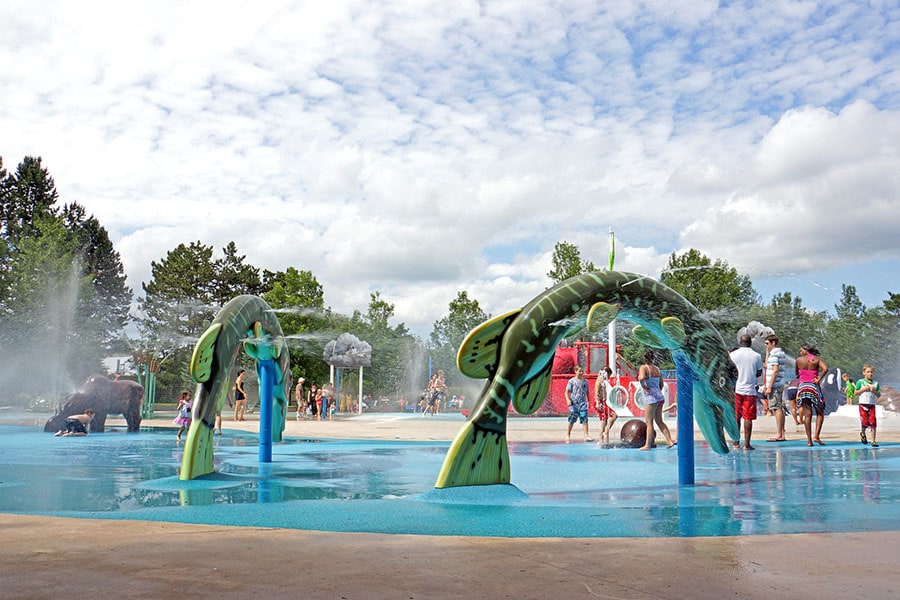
pixel 198 452
pixel 477 456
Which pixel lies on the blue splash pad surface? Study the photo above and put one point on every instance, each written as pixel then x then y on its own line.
pixel 561 490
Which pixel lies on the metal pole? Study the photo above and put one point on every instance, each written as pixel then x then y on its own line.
pixel 266 371
pixel 685 374
pixel 360 389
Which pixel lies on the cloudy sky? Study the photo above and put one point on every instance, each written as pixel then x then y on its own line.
pixel 419 148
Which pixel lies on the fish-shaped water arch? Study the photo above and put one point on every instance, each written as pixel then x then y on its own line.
pixel 514 352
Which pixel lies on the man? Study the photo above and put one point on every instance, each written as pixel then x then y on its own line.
pixel 77 424
pixel 774 388
pixel 299 397
pixel 749 366
pixel 577 400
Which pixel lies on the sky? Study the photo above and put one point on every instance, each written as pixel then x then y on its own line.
pixel 423 148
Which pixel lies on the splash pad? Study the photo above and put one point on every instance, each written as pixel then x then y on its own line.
pixel 380 486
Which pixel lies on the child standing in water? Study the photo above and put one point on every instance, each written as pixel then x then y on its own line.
pixel 607 415
pixel 868 392
pixel 183 420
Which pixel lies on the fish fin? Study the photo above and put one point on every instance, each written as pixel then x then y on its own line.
pixel 646 337
pixel 202 357
pixel 600 315
pixel 674 328
pixel 531 395
pixel 477 456
pixel 197 459
pixel 673 334
pixel 480 350
pixel 714 416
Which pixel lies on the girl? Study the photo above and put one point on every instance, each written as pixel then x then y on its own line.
pixel 183 420
pixel 650 378
pixel 607 415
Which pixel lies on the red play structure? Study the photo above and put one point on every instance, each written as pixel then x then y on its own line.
pixel 627 397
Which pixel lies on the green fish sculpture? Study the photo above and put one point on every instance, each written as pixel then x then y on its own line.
pixel 514 352
pixel 245 321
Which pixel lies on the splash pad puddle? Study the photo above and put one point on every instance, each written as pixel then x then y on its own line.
pixel 561 490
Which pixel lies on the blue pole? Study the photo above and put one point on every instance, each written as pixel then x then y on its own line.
pixel 266 371
pixel 685 375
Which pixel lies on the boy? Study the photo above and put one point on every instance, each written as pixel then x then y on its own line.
pixel 849 388
pixel 577 401
pixel 868 393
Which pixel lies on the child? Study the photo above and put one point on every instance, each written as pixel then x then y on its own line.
pixel 868 392
pixel 183 420
pixel 849 388
pixel 607 415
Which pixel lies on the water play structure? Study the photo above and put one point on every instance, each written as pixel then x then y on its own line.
pixel 515 350
pixel 245 322
pixel 624 392
pixel 104 397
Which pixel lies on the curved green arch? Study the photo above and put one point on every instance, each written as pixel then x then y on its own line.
pixel 514 352
pixel 246 321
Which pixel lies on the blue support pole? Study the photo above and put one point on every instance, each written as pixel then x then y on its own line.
pixel 685 375
pixel 266 371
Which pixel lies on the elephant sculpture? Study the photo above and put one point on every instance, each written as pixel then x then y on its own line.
pixel 104 397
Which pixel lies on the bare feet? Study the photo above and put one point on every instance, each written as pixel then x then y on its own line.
pixel 588 440
pixel 749 447
pixel 819 442
pixel 644 448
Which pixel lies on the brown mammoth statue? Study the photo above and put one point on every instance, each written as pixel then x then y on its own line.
pixel 104 397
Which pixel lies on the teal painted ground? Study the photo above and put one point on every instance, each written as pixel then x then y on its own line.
pixel 561 490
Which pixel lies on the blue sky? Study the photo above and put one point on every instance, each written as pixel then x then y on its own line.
pixel 423 148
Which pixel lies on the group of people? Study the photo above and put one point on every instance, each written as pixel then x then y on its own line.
pixel 651 382
pixel 802 394
pixel 434 395
pixel 319 403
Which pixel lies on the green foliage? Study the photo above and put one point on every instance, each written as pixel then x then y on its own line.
pixel 794 324
pixel 706 284
pixel 464 315
pixel 63 299
pixel 567 262
pixel 298 298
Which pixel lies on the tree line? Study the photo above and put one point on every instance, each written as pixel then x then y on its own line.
pixel 64 306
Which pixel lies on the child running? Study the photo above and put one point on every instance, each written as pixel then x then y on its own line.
pixel 868 392
pixel 183 420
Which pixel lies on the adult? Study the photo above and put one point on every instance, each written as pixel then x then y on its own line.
pixel 312 399
pixel 749 367
pixel 606 413
pixel 240 397
pixel 299 397
pixel 774 387
pixel 650 378
pixel 810 368
pixel 77 425
pixel 439 390
pixel 577 401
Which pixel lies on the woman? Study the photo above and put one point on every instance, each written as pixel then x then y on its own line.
pixel 651 382
pixel 240 397
pixel 810 368
pixel 312 401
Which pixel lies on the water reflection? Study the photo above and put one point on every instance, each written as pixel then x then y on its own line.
pixel 376 486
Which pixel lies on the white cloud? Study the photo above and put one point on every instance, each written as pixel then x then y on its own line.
pixel 392 146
